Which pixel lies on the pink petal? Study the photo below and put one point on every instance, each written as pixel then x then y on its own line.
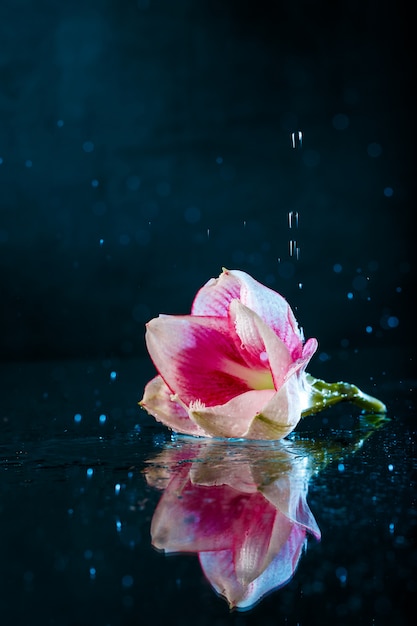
pixel 220 569
pixel 198 358
pixel 206 518
pixel 214 299
pixel 288 494
pixel 157 401
pixel 262 414
pixel 259 342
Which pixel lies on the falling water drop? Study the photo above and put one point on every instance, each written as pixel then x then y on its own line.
pixel 297 139
pixel 208 233
pixel 293 248
pixel 293 219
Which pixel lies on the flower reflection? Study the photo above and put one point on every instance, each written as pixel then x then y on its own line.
pixel 241 507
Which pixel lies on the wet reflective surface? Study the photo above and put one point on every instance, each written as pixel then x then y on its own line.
pixel 106 519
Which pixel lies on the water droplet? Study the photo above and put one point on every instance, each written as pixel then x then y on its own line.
pixel 117 488
pixel 88 146
pixel 127 581
pixel 77 418
pixel 208 233
pixel 113 375
pixel 350 296
pixel 341 467
pixel 369 329
pixel 101 242
pixel 133 182
pixel 293 248
pixel 92 572
pixel 94 183
pixel 297 139
pixel 118 526
pixel 293 219
pixel 244 223
pixel 28 163
pixel 60 123
pixel 337 268
pixel 374 150
pixel 341 573
pixel 388 192
pixel 391 528
pixel 102 419
pixel 90 472
pixel 300 285
pixel 390 467
pixel 340 121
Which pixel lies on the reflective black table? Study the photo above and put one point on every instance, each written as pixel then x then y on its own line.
pixel 109 519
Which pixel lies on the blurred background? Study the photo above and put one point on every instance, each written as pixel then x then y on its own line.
pixel 144 144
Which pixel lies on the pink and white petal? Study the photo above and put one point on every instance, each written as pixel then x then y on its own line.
pixel 309 349
pixel 197 358
pixel 259 345
pixel 281 414
pixel 272 308
pixel 260 544
pixel 218 568
pixel 217 471
pixel 214 298
pixel 157 400
pixel 232 419
pixel 279 571
pixel 288 494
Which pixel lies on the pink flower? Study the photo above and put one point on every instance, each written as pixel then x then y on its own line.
pixel 243 511
pixel 235 367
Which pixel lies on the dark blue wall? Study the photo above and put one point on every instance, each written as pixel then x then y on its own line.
pixel 144 144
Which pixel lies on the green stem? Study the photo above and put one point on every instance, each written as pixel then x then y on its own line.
pixel 325 394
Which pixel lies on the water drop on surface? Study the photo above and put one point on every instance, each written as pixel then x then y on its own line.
pixel 297 139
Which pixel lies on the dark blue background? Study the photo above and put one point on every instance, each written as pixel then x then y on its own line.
pixel 163 128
